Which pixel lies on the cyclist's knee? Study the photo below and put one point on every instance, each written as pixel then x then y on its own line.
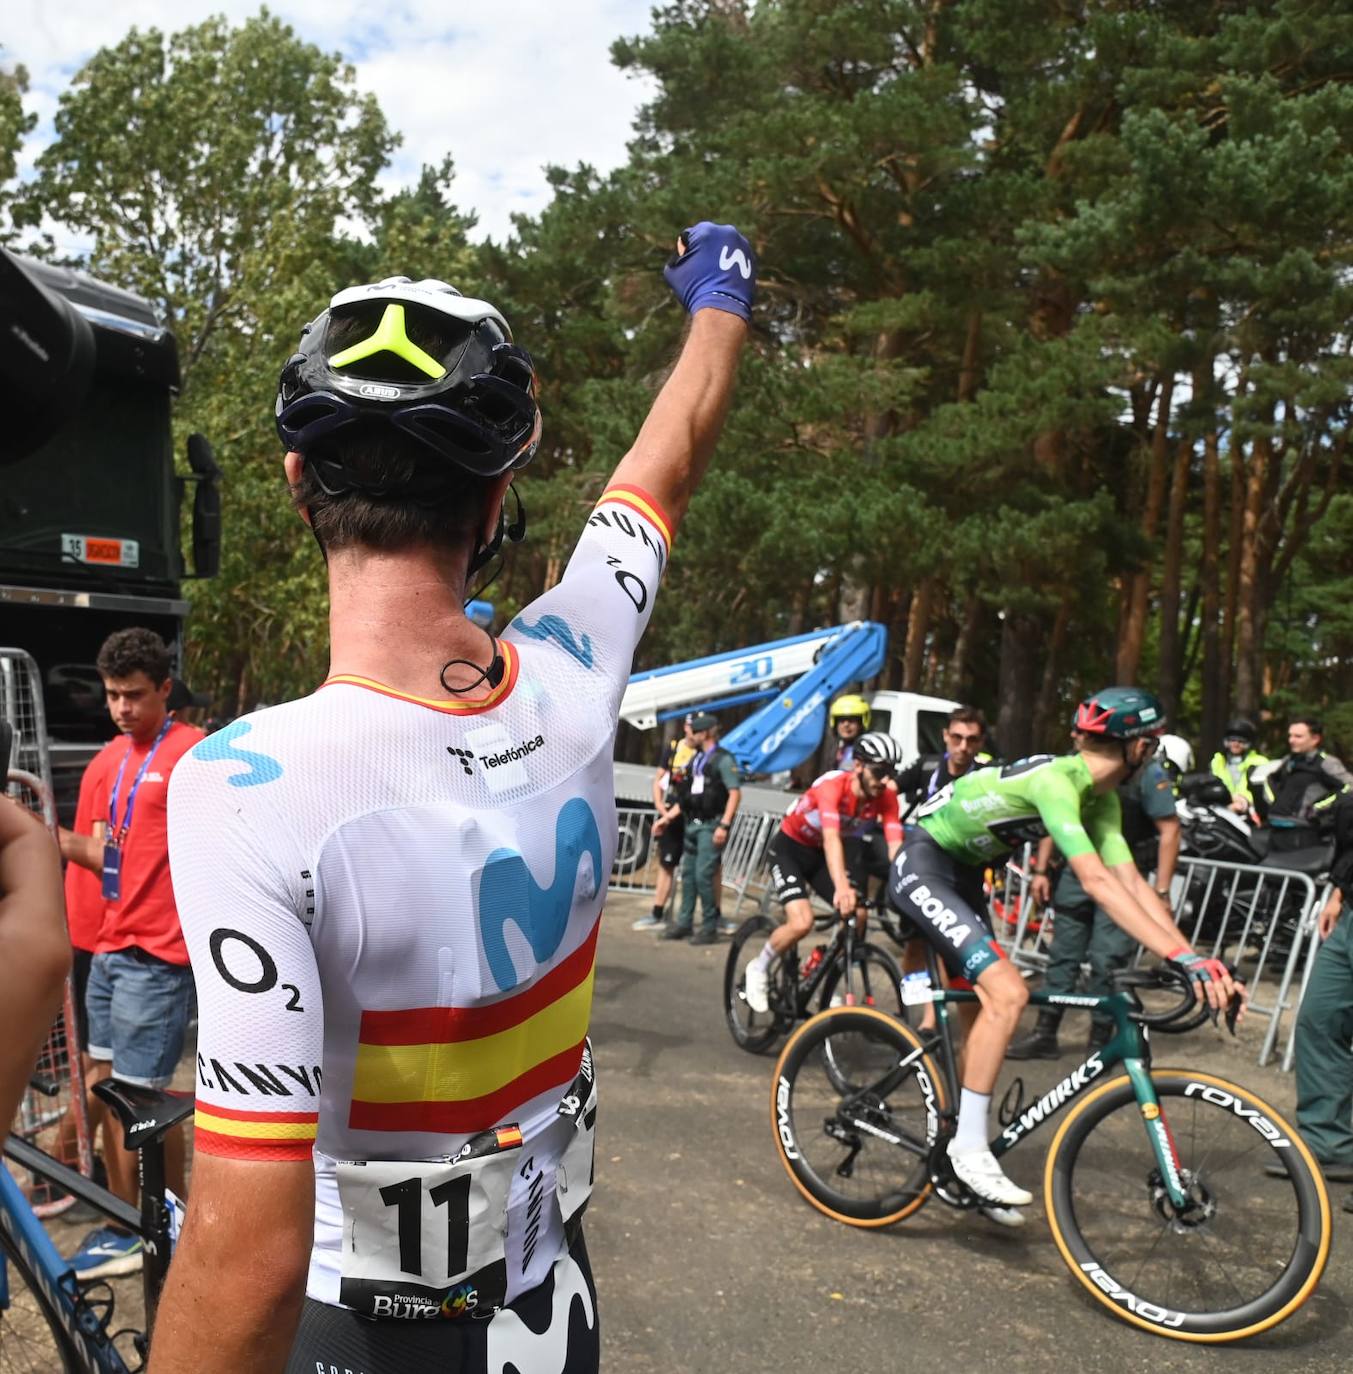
pixel 798 919
pixel 1004 990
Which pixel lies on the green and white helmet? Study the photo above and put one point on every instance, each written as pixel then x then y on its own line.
pixel 1121 713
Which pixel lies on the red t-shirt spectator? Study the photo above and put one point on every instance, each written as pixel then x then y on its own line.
pixel 831 804
pixel 84 890
pixel 145 914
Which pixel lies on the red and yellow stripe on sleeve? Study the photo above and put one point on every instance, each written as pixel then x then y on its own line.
pixel 239 1134
pixel 455 1070
pixel 637 499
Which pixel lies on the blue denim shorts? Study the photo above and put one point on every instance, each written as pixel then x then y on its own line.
pixel 138 1008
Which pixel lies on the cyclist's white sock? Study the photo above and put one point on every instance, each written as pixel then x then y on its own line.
pixel 762 960
pixel 973 1110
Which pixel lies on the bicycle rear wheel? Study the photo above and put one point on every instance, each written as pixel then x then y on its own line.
pixel 1247 1252
pixel 858 1157
pixel 32 1339
pixel 754 1031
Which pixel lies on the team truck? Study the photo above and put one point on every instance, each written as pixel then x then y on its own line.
pixel 90 504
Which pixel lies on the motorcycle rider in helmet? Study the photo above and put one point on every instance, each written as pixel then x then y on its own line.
pixel 1233 762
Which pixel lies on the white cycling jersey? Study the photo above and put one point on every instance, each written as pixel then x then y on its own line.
pixel 391 905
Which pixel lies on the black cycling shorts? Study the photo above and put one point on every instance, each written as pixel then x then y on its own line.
pixel 552 1327
pixel 798 870
pixel 945 901
pixel 671 841
pixel 81 960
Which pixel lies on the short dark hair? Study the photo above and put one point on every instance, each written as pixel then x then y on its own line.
pixel 134 650
pixel 968 715
pixel 379 455
pixel 1313 723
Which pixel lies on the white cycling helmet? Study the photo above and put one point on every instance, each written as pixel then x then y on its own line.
pixel 1177 752
pixel 878 750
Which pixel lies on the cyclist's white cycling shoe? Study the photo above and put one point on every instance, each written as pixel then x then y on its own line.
pixel 979 1172
pixel 1002 1216
pixel 756 988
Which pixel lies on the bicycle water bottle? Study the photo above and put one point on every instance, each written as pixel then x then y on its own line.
pixel 916 989
pixel 811 963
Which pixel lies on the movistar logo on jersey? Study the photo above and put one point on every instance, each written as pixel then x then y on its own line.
pixel 508 893
pixel 513 753
pixel 221 748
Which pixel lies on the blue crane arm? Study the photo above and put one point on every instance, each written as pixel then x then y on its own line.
pixel 788 729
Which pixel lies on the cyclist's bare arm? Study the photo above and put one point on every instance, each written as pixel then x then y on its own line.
pixel 677 440
pixel 235 1289
pixel 713 275
pixel 1132 904
pixel 34 946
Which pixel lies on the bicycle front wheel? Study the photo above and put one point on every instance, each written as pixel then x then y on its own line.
pixel 32 1339
pixel 1244 1254
pixel 859 1154
pixel 754 1031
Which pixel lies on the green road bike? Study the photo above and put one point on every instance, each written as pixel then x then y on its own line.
pixel 1154 1182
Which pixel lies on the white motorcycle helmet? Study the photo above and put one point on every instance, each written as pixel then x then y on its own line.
pixel 1176 753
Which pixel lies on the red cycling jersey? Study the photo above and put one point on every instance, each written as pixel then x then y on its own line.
pixel 831 803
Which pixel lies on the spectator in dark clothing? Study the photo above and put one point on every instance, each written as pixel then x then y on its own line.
pixel 669 828
pixel 1324 1030
pixel 1288 797
pixel 965 736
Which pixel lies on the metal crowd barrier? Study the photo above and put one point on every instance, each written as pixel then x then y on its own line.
pixel 635 868
pixel 1259 917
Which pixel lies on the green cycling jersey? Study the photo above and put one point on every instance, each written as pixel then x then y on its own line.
pixel 983 815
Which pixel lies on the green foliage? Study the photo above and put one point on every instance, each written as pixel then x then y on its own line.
pixel 997 238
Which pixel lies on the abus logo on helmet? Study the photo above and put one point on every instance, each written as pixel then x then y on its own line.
pixel 520 751
pixel 381 393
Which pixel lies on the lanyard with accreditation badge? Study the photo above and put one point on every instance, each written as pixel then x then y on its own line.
pixel 117 834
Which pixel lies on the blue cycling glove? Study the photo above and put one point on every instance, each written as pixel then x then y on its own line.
pixel 717 270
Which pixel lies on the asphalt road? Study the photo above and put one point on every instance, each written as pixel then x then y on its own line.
pixel 706 1258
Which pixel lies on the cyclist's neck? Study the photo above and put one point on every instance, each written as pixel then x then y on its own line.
pixel 397 617
pixel 1106 770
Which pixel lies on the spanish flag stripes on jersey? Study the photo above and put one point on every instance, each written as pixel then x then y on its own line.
pixel 241 1134
pixel 454 1070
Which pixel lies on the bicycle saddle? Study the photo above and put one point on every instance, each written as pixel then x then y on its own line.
pixel 146 1114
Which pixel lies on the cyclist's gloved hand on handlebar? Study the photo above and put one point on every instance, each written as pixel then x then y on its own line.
pixel 1213 981
pixel 713 267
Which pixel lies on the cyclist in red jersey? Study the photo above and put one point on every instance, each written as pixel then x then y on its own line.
pixel 818 849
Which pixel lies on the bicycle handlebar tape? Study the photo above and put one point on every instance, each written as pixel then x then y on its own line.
pixel 717 270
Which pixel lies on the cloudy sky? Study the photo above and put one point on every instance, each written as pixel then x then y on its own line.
pixel 505 87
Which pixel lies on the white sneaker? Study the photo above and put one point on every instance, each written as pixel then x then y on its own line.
pixel 979 1172
pixel 756 988
pixel 1003 1216
pixel 649 922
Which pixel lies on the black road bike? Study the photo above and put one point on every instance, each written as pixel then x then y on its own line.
pixel 1154 1183
pixel 847 970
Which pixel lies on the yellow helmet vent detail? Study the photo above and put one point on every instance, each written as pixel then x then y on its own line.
pixel 391 338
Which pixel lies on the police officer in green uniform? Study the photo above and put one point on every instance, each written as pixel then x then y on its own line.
pixel 1081 931
pixel 1324 1031
pixel 711 801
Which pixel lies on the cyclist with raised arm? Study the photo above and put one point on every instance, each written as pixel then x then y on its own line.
pixel 392 888
pixel 818 850
pixel 937 881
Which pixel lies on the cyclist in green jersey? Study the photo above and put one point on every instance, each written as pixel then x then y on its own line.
pixel 977 820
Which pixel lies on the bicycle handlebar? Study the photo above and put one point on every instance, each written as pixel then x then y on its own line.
pixel 1189 1014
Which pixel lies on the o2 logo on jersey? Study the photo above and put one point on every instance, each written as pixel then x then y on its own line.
pixel 508 893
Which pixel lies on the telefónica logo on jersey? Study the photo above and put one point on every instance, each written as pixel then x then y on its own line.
pixel 505 756
pixel 735 258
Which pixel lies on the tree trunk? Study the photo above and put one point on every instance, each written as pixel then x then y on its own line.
pixel 956 674
pixel 1045 732
pixel 1228 630
pixel 1249 587
pixel 918 627
pixel 1139 584
pixel 1216 656
pixel 1171 649
pixel 1021 653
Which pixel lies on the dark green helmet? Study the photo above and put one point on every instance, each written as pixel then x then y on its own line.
pixel 1121 713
